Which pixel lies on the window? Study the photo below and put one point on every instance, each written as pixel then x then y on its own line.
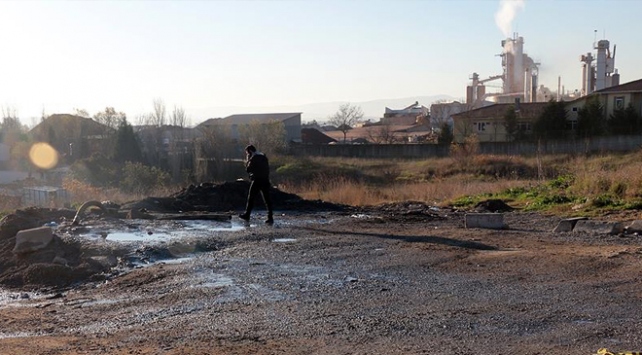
pixel 481 126
pixel 574 109
pixel 619 102
pixel 524 126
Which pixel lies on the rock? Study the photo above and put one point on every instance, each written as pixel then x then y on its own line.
pixel 567 225
pixel 30 240
pixel 635 227
pixel 598 227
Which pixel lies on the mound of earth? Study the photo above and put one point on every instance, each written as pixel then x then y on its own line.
pixel 228 196
pixel 493 205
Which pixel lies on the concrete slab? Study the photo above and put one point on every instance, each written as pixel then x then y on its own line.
pixel 29 240
pixel 635 227
pixel 485 220
pixel 598 227
pixel 567 225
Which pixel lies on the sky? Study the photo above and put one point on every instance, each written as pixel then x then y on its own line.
pixel 209 56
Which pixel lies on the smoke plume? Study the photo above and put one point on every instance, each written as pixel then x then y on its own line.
pixel 506 13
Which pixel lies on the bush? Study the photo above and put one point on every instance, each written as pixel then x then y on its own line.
pixel 142 179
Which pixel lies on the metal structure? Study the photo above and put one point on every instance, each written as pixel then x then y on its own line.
pixel 520 73
pixel 601 74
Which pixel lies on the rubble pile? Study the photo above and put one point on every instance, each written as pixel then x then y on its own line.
pixel 61 263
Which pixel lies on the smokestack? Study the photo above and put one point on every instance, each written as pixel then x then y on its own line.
pixel 559 88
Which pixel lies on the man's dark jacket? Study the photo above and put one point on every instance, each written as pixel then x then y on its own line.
pixel 258 167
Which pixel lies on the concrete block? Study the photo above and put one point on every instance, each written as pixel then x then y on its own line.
pixel 635 227
pixel 567 225
pixel 29 240
pixel 485 220
pixel 598 227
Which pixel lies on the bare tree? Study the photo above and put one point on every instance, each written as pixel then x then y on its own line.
pixel 109 117
pixel 382 133
pixel 179 118
pixel 81 113
pixel 347 116
pixel 159 114
pixel 269 137
pixel 213 152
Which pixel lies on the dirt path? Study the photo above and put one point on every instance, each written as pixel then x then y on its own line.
pixel 345 285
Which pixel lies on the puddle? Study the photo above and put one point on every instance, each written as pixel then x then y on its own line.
pixel 162 232
pixel 284 240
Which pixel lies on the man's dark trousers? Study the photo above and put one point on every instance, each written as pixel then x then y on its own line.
pixel 263 186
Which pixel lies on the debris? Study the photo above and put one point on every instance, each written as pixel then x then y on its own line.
pixel 30 240
pixel 485 220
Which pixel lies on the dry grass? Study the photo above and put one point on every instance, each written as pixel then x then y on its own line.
pixel 432 192
pixel 81 192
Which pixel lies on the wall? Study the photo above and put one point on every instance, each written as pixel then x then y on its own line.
pixel 388 151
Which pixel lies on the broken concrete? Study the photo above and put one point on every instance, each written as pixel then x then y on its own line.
pixel 30 240
pixel 567 225
pixel 598 227
pixel 485 220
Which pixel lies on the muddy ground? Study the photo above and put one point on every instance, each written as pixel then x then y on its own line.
pixel 394 279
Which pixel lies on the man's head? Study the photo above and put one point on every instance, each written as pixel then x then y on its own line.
pixel 250 149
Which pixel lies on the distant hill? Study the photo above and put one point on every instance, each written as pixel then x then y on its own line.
pixel 320 111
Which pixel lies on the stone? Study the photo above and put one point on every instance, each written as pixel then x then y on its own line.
pixel 485 220
pixel 635 227
pixel 567 225
pixel 30 240
pixel 598 227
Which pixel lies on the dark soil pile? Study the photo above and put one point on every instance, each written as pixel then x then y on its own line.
pixel 228 196
pixel 493 205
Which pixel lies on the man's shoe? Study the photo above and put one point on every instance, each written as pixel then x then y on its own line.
pixel 244 216
pixel 269 220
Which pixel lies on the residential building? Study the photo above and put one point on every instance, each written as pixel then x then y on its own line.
pixel 488 123
pixel 611 98
pixel 291 122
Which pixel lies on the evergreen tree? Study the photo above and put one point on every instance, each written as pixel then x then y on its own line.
pixel 446 135
pixel 510 123
pixel 127 147
pixel 590 119
pixel 551 124
pixel 624 121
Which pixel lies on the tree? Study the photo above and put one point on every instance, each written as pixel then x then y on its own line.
pixel 624 121
pixel 159 114
pixel 213 151
pixel 381 134
pixel 127 148
pixel 179 118
pixel 510 123
pixel 347 116
pixel 446 135
pixel 551 124
pixel 269 137
pixel 109 118
pixel 590 118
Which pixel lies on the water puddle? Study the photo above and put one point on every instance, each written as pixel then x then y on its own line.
pixel 284 240
pixel 161 232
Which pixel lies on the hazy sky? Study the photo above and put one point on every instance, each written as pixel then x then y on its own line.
pixel 60 55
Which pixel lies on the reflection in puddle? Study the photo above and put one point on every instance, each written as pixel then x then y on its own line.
pixel 163 233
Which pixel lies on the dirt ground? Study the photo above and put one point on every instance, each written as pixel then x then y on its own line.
pixel 394 279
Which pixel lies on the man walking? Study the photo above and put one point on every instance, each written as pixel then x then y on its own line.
pixel 258 167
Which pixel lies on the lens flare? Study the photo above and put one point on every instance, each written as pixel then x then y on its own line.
pixel 43 156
